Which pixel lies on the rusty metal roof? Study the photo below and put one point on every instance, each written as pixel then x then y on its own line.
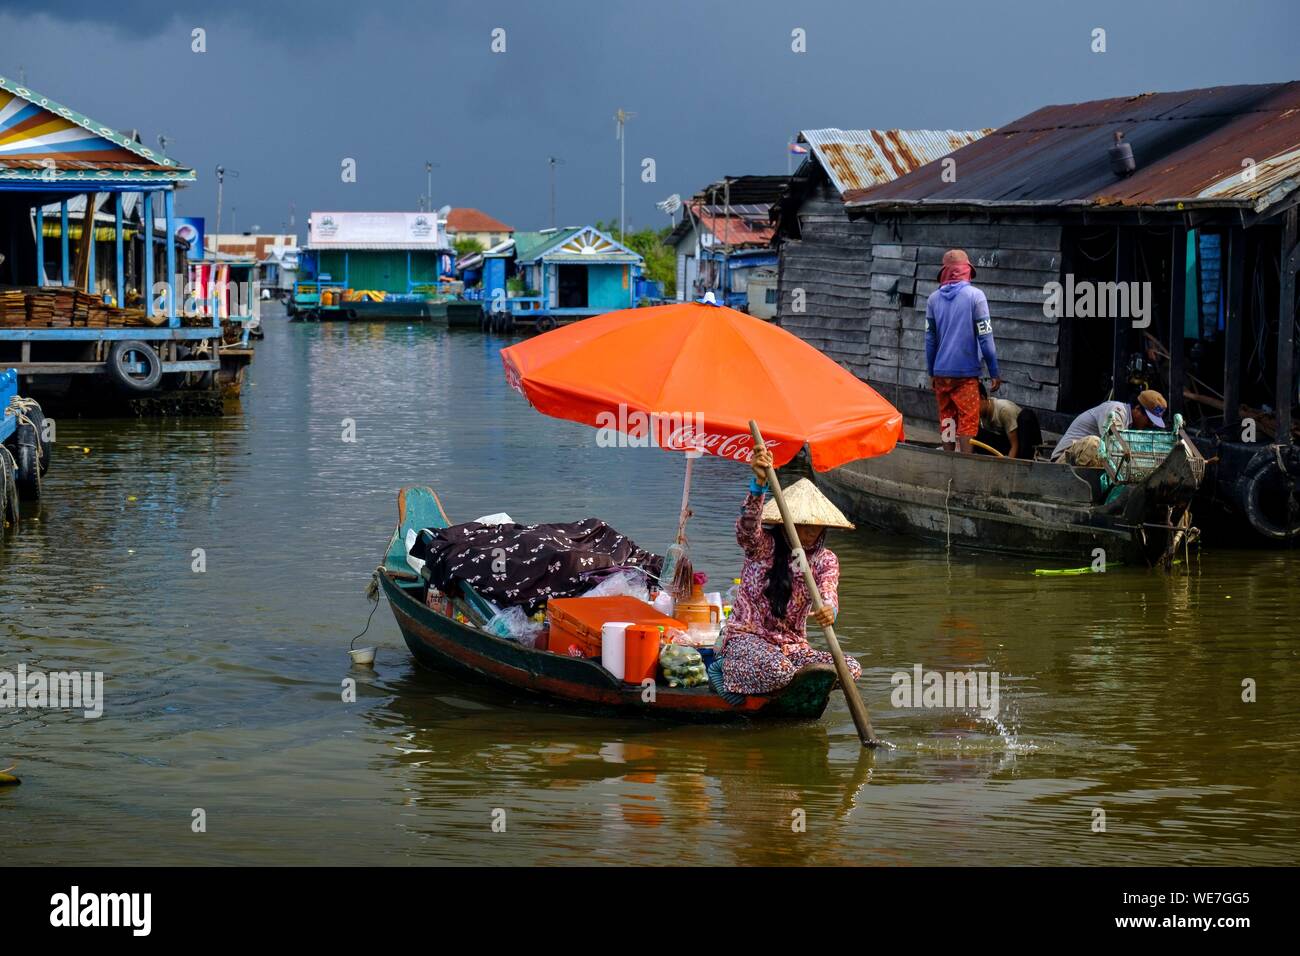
pixel 1191 148
pixel 861 158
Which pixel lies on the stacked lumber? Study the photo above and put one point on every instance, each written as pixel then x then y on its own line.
pixel 13 308
pixel 59 307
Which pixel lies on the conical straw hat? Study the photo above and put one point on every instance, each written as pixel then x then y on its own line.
pixel 806 505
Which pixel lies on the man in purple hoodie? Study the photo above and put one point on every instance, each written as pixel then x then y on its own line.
pixel 958 333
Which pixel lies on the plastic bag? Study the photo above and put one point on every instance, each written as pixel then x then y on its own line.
pixel 682 666
pixel 514 624
pixel 620 583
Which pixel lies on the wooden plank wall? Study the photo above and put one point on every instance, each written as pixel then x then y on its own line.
pixel 866 286
pixel 1013 261
pixel 831 264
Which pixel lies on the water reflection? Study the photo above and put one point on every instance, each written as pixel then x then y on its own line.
pixel 1120 691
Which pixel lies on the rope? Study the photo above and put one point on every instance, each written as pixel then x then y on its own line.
pixel 948 514
pixel 372 594
pixel 19 407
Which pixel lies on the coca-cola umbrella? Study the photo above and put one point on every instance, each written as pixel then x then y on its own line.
pixel 691 377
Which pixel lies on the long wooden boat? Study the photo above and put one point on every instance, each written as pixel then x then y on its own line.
pixel 457 313
pixel 1019 507
pixel 442 643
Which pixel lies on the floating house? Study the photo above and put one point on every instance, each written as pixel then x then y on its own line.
pixel 824 276
pixel 90 286
pixel 278 271
pixel 556 275
pixel 1143 241
pixel 466 223
pixel 371 265
pixel 725 237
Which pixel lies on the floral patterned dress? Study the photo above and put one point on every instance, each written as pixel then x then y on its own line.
pixel 761 653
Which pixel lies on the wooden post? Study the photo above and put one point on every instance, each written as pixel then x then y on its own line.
pixel 65 274
pixel 1120 345
pixel 120 288
pixel 857 709
pixel 1177 317
pixel 40 245
pixel 146 231
pixel 86 262
pixel 1236 267
pixel 169 211
pixel 1286 328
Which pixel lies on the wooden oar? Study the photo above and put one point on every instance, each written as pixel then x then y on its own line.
pixel 861 719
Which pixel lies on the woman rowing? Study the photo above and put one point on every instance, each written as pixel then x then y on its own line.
pixel 765 643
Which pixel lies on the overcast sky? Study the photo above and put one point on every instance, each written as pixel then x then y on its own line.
pixel 286 92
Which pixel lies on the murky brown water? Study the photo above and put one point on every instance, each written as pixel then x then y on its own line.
pixel 1119 691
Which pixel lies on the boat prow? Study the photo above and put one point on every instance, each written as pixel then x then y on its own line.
pixel 1014 506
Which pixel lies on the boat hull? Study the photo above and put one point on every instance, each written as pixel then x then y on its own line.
pixel 443 644
pixel 1010 506
pixel 365 312
pixel 457 314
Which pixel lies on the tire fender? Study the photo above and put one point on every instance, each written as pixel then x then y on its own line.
pixel 1269 463
pixel 141 352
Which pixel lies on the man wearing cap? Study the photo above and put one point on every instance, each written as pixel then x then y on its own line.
pixel 1081 443
pixel 958 333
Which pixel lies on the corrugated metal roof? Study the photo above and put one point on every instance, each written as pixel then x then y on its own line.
pixel 528 245
pixel 1191 148
pixel 861 158
pixel 736 230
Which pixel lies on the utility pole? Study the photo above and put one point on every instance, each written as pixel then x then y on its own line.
pixel 553 161
pixel 621 118
pixel 428 195
pixel 222 172
pixel 726 245
pixel 216 236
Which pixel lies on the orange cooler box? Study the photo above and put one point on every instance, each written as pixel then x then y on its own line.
pixel 641 652
pixel 576 622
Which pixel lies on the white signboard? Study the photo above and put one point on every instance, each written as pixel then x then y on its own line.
pixel 395 230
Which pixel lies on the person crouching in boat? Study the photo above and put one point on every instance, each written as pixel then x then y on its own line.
pixel 765 643
pixel 1081 443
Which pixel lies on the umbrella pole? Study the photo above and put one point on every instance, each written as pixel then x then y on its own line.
pixel 686 499
pixel 861 719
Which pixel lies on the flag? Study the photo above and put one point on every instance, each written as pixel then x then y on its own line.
pixel 798 150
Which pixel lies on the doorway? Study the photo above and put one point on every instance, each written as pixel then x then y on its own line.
pixel 572 281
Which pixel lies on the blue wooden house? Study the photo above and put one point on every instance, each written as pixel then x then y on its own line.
pixel 81 319
pixel 558 275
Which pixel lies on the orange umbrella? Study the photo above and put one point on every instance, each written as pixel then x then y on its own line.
pixel 691 376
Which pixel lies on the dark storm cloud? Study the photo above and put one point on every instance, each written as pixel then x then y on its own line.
pixel 286 92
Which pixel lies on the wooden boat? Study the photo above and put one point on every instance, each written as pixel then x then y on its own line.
pixel 1021 507
pixel 440 642
pixel 457 313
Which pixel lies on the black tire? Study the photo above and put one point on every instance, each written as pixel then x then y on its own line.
pixel 26 447
pixel 1265 475
pixel 38 421
pixel 9 511
pixel 131 352
pixel 546 323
